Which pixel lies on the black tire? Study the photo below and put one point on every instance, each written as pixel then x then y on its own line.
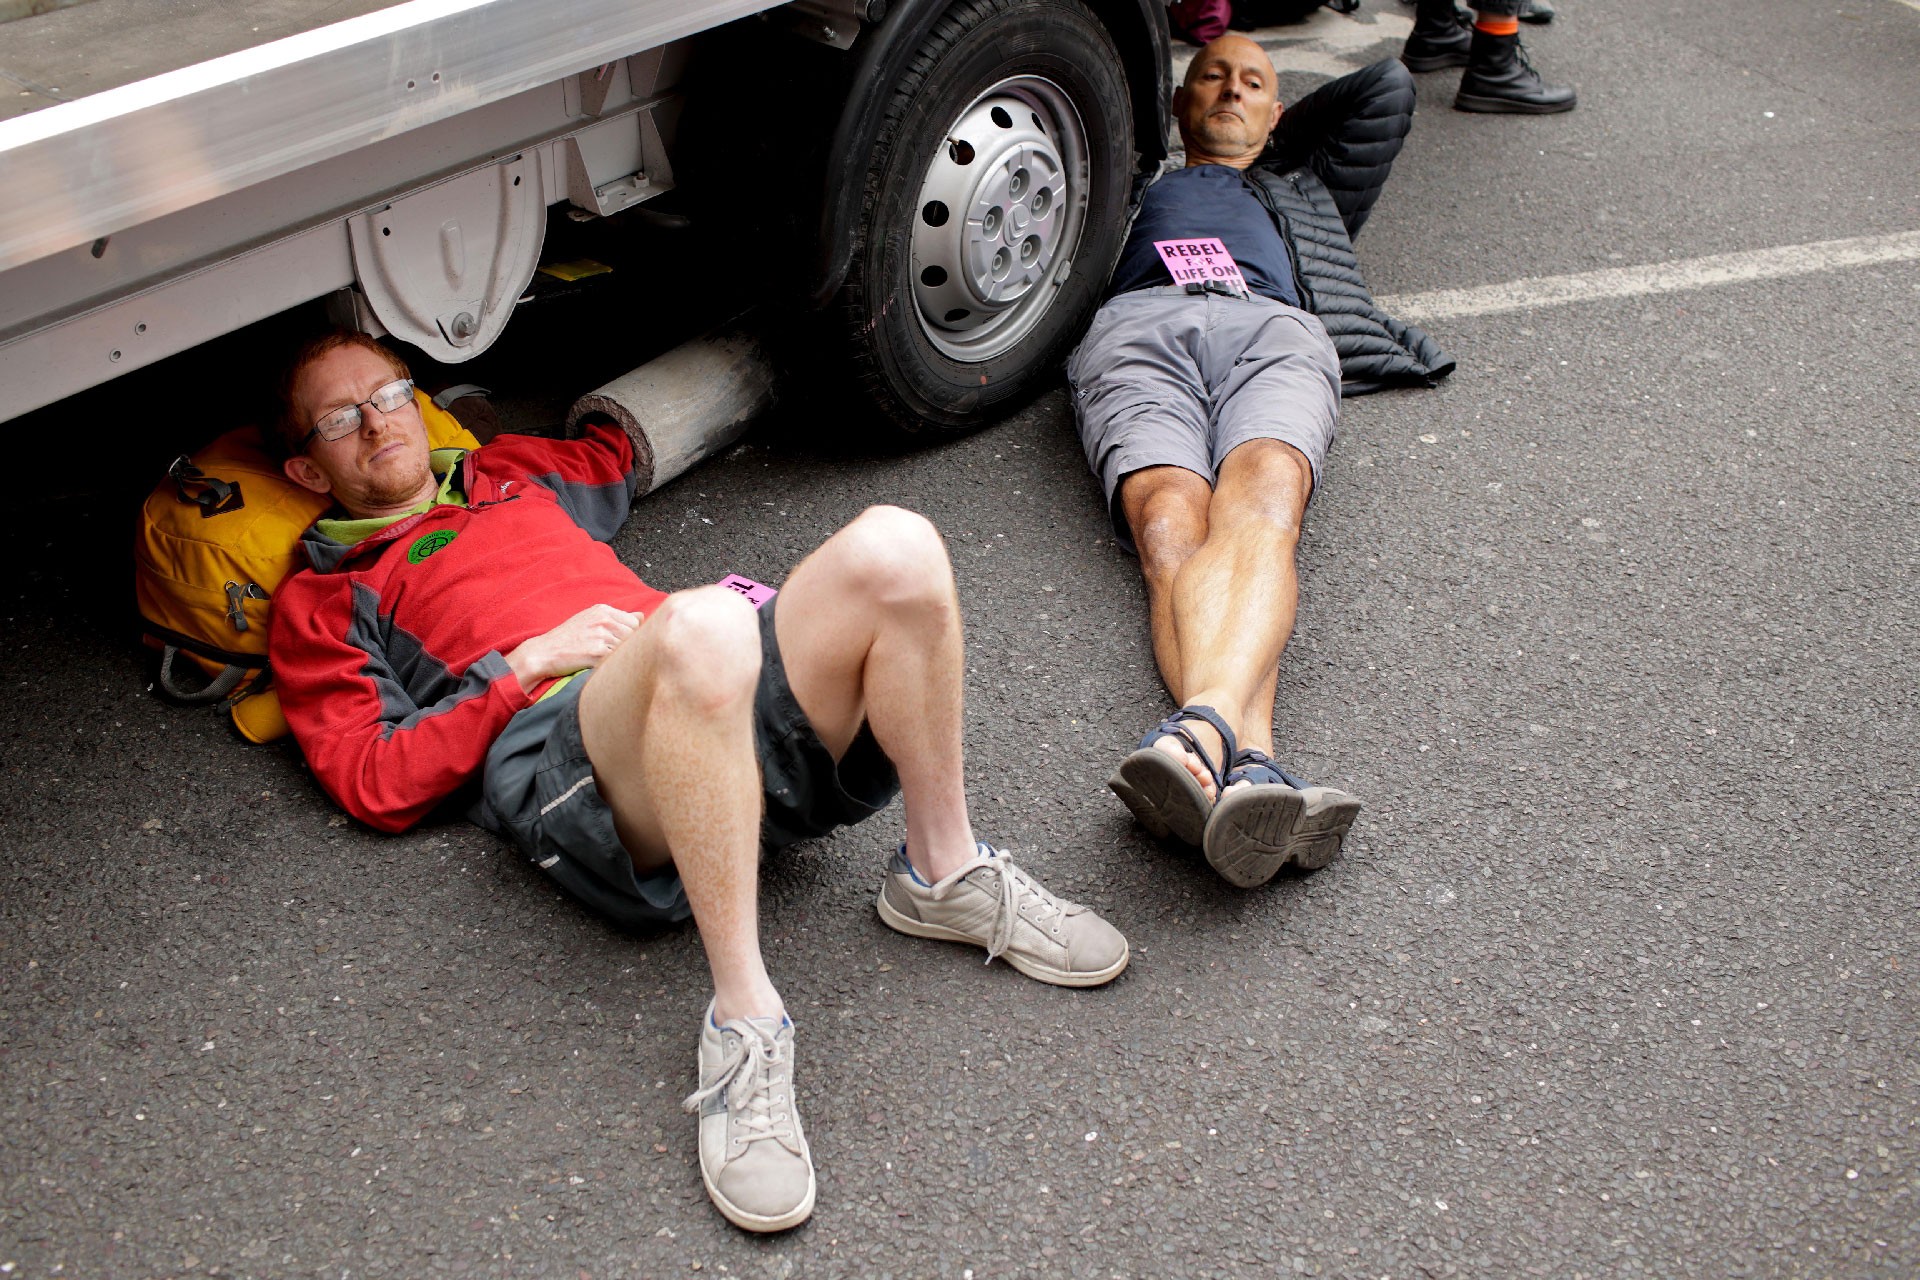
pixel 911 381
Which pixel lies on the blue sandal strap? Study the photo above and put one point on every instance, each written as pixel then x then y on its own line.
pixel 1172 727
pixel 1250 762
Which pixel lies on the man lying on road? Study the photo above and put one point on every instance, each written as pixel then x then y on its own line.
pixel 1206 404
pixel 463 631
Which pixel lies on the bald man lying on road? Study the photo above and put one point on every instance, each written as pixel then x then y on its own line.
pixel 1206 393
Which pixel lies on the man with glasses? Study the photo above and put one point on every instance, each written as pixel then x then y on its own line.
pixel 465 633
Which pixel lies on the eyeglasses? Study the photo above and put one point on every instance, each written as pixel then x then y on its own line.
pixel 338 424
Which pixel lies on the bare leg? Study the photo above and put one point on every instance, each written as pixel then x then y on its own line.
pixel 869 631
pixel 1223 611
pixel 1166 508
pixel 1236 598
pixel 668 722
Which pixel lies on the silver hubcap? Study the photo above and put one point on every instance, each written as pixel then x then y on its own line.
pixel 999 218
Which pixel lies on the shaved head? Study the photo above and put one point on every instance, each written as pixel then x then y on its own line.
pixel 1228 104
pixel 1233 46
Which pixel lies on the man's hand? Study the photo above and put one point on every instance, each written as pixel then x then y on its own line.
pixel 582 641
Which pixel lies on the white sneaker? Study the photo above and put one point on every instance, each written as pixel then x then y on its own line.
pixel 753 1155
pixel 993 904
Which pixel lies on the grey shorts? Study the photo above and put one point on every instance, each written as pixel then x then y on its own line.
pixel 538 791
pixel 1169 378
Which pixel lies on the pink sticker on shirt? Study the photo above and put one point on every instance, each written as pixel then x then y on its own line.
pixel 758 593
pixel 1201 261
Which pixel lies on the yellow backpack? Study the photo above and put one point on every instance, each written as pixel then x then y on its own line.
pixel 217 537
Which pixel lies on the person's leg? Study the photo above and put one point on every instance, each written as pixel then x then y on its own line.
pixel 1264 818
pixel 1231 602
pixel 869 632
pixel 1218 564
pixel 1437 40
pixel 1166 508
pixel 1170 779
pixel 1498 77
pixel 667 722
pixel 1142 406
pixel 1348 131
pixel 869 640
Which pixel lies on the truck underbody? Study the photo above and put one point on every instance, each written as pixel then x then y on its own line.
pixel 176 172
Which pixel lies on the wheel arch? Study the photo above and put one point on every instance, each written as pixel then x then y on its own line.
pixel 1138 27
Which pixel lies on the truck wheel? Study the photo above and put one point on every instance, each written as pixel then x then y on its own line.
pixel 994 203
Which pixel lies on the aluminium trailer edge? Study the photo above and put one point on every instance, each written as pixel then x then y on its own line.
pixel 82 170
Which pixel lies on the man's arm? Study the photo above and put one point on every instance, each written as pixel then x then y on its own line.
pixel 388 755
pixel 594 476
pixel 1348 131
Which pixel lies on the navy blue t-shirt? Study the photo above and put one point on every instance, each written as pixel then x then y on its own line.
pixel 1207 200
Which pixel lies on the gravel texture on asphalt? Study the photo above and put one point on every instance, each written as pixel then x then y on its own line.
pixel 1614 635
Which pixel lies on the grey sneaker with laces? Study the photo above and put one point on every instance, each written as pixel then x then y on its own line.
pixel 753 1155
pixel 991 903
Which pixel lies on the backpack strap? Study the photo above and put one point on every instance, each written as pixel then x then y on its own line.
pixel 446 398
pixel 196 488
pixel 214 691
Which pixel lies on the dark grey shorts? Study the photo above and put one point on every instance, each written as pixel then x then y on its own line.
pixel 1169 378
pixel 538 791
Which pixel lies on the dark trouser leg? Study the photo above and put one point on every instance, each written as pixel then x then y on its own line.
pixel 1438 39
pixel 1348 131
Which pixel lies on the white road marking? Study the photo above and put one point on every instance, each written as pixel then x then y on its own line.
pixel 1655 277
pixel 1911 4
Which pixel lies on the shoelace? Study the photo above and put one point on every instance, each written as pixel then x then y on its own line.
pixel 748 1078
pixel 1013 884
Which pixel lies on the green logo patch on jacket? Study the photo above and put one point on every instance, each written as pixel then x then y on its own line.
pixel 428 543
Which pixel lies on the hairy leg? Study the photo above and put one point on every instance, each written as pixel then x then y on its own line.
pixel 1222 610
pixel 1166 510
pixel 1238 595
pixel 667 720
pixel 869 631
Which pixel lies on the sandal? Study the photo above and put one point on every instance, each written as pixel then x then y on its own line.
pixel 1161 790
pixel 1277 819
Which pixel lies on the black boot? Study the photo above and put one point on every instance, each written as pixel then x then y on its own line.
pixel 1538 12
pixel 1436 41
pixel 1499 78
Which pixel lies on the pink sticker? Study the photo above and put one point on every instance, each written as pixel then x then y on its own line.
pixel 756 592
pixel 1201 262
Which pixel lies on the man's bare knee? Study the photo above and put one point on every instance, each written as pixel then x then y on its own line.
pixel 1263 491
pixel 706 646
pixel 1169 525
pixel 896 557
pixel 1275 509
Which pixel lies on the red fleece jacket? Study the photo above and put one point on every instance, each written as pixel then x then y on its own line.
pixel 388 653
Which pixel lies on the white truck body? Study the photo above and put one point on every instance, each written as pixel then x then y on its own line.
pixel 176 170
pixel 412 150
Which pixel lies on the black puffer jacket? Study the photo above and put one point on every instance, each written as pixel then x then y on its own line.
pixel 1319 176
pixel 1321 173
pixel 1376 350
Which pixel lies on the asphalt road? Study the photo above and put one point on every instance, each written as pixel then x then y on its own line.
pixel 1614 634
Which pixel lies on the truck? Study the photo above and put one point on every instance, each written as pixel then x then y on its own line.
pixel 942 184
